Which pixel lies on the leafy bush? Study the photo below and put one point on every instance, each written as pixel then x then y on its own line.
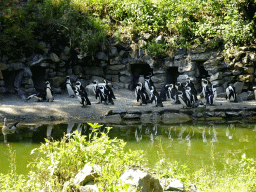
pixel 86 24
pixel 58 163
pixel 155 49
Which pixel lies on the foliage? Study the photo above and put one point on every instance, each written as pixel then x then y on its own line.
pixel 155 49
pixel 86 24
pixel 236 175
pixel 58 163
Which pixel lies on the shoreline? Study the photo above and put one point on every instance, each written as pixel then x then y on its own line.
pixel 126 108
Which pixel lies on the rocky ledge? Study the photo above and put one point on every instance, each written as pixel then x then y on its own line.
pixel 125 110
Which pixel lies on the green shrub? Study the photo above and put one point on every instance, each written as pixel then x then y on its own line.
pixel 58 163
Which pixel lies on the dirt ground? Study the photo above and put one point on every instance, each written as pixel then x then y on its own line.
pixel 64 108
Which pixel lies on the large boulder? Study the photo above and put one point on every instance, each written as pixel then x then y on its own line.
pixel 182 78
pixel 35 59
pixel 58 81
pixel 172 185
pixel 239 86
pixel 141 181
pixel 54 57
pixel 88 173
pixel 89 187
pixel 113 52
pixel 102 56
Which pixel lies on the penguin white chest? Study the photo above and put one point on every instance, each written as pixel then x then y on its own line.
pixel 49 95
pixel 70 90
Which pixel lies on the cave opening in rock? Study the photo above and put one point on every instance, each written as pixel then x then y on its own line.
pixel 202 73
pixel 38 77
pixel 172 74
pixel 9 79
pixel 137 70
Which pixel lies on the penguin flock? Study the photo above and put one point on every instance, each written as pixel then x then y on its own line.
pixel 181 93
pixel 145 92
pixel 103 93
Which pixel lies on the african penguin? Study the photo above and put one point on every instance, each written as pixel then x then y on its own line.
pixel 165 93
pixel 104 93
pixel 49 93
pixel 231 93
pixel 82 94
pixel 193 91
pixel 204 87
pixel 148 84
pixel 189 95
pixel 173 94
pixel 69 87
pixel 182 99
pixel 97 92
pixel 156 97
pixel 212 95
pixel 41 94
pixel 141 94
pixel 109 89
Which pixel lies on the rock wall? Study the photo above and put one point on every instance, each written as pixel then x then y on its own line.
pixel 122 65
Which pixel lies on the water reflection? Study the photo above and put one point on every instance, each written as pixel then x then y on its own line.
pixel 187 143
pixel 139 132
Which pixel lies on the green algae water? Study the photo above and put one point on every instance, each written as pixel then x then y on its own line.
pixel 193 145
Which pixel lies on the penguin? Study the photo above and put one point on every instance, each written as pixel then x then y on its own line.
pixel 205 88
pixel 231 93
pixel 193 91
pixel 212 95
pixel 141 94
pixel 69 87
pixel 81 94
pixel 165 93
pixel 189 95
pixel 179 87
pixel 173 94
pixel 103 93
pixel 183 99
pixel 108 92
pixel 8 129
pixel 148 84
pixel 49 93
pixel 156 97
pixel 109 89
pixel 97 92
pixel 42 94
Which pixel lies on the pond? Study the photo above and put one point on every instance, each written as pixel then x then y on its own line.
pixel 191 144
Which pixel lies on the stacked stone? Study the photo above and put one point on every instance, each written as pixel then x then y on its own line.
pixel 117 71
pixel 241 65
